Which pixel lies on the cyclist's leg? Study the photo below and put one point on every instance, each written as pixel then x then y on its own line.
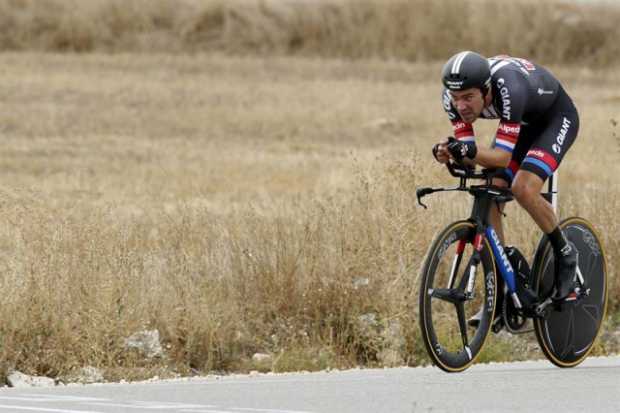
pixel 526 189
pixel 543 158
pixel 550 141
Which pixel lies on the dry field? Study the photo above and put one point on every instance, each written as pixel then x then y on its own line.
pixel 242 205
pixel 556 31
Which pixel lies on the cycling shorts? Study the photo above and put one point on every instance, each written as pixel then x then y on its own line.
pixel 542 144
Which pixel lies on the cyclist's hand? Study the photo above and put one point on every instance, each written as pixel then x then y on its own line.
pixel 459 150
pixel 440 152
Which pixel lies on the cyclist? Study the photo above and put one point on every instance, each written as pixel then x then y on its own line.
pixel 538 123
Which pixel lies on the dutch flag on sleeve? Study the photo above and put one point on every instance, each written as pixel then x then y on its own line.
pixel 507 135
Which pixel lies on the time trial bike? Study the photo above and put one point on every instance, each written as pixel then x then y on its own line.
pixel 460 277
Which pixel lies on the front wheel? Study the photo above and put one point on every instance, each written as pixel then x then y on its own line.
pixel 567 332
pixel 445 304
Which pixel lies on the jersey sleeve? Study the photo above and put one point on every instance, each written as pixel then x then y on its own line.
pixel 463 131
pixel 510 95
pixel 507 135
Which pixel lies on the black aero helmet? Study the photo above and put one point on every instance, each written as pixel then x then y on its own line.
pixel 466 70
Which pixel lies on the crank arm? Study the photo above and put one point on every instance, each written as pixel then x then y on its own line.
pixel 540 308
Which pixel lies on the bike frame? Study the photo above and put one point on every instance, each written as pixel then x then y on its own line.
pixel 557 326
pixel 485 198
pixel 503 264
pixel 552 191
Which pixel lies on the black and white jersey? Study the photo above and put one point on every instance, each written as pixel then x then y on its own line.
pixel 522 93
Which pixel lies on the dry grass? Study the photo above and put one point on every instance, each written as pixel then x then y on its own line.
pixel 239 205
pixel 550 31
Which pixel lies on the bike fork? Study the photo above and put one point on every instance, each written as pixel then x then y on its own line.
pixel 470 272
pixel 456 262
pixel 471 280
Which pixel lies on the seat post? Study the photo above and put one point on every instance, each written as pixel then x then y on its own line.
pixel 553 189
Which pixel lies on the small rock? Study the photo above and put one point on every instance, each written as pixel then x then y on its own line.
pixel 147 342
pixel 360 282
pixel 390 358
pixel 21 380
pixel 368 320
pixel 262 358
pixel 87 375
pixel 394 342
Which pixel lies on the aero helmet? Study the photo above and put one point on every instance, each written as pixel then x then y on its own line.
pixel 465 70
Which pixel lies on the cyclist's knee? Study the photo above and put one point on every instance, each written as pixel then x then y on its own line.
pixel 526 186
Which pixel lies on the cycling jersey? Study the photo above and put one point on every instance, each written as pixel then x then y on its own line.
pixel 537 119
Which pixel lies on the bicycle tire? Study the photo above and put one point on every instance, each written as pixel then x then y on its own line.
pixel 566 335
pixel 434 313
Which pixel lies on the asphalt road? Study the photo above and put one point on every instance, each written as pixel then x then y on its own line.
pixel 594 386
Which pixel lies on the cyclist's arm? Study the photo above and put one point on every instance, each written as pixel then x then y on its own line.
pixel 486 157
pixel 464 132
pixel 492 158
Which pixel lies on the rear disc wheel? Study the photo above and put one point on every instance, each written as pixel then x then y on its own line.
pixel 568 331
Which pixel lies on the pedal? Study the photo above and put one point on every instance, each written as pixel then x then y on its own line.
pixel 541 308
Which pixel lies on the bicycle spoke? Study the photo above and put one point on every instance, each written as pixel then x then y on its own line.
pixel 460 311
pixel 451 295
